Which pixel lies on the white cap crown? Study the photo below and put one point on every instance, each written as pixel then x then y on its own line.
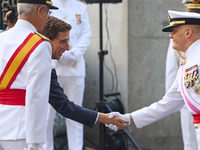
pixel 181 18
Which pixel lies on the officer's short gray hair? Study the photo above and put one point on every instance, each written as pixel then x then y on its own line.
pixel 28 10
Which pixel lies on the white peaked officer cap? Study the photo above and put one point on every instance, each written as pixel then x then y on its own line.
pixel 181 18
pixel 192 4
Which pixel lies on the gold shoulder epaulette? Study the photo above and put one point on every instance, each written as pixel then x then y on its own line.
pixel 42 36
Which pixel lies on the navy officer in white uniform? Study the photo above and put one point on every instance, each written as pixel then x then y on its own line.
pixel 173 62
pixel 185 28
pixel 25 71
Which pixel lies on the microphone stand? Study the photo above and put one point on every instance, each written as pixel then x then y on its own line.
pixel 103 104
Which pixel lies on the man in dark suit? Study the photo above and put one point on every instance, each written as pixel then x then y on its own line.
pixel 58 32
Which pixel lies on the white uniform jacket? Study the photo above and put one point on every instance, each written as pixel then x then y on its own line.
pixel 173 100
pixel 26 122
pixel 73 12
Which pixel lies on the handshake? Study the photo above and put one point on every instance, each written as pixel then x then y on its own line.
pixel 115 121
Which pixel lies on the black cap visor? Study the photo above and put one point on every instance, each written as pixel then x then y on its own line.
pixel 52 7
pixel 169 28
pixel 181 21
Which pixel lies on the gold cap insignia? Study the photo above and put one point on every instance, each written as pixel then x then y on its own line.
pixel 49 2
pixel 169 18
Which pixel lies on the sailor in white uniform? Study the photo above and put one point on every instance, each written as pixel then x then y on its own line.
pixel 25 70
pixel 185 28
pixel 173 62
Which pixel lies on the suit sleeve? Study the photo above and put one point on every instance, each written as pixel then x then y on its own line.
pixel 67 108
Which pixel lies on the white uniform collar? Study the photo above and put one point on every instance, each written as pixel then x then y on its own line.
pixel 25 25
pixel 192 48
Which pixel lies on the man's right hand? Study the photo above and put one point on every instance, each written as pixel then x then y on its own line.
pixel 118 122
pixel 126 117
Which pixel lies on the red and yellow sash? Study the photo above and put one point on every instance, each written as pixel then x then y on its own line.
pixel 13 67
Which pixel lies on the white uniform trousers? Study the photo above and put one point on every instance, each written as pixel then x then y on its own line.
pixel 74 89
pixel 198 134
pixel 49 143
pixel 188 130
pixel 13 144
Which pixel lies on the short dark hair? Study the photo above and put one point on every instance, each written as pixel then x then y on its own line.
pixel 53 26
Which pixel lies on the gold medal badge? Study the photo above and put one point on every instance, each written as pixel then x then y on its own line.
pixel 192 78
pixel 78 18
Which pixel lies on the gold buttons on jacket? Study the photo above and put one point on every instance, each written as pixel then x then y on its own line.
pixel 64 6
pixel 65 17
pixel 196 126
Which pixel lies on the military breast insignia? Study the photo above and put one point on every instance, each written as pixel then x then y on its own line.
pixel 191 78
pixel 78 18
